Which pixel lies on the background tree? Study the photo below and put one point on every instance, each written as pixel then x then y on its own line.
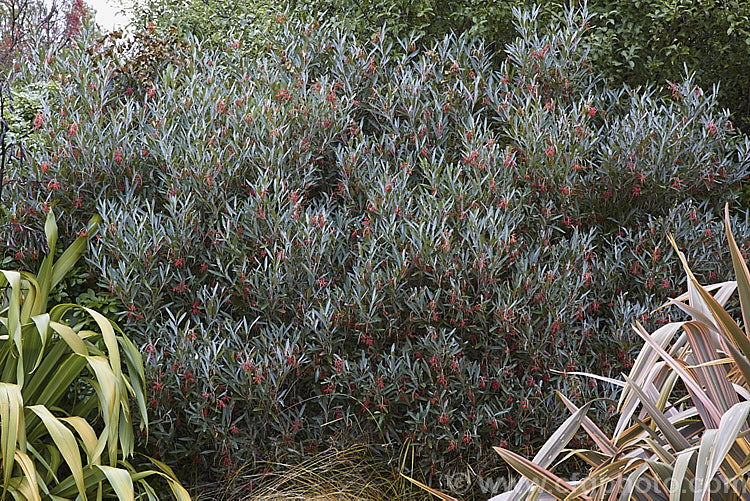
pixel 33 25
pixel 637 42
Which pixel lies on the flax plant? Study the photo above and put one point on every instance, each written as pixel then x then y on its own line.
pixel 66 430
pixel 667 444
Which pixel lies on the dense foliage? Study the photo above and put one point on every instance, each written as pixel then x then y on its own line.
pixel 46 394
pixel 338 240
pixel 639 42
pixel 31 25
pixel 669 442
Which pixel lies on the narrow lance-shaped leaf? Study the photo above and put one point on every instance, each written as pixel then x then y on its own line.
pixel 714 415
pixel 11 424
pixel 671 434
pixel 66 444
pixel 120 481
pixel 554 445
pixel 546 480
pixel 719 444
pixel 742 275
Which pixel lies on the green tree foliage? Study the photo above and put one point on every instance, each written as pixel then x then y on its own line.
pixel 214 22
pixel 31 25
pixel 637 42
pixel 653 40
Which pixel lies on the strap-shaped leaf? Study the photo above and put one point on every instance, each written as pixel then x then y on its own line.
pixel 713 415
pixel 66 444
pixel 630 484
pixel 742 275
pixel 134 364
pixel 29 473
pixel 724 291
pixel 702 480
pixel 713 377
pixel 553 446
pixel 87 434
pixel 71 255
pixel 660 452
pixel 44 276
pixel 603 476
pixel 631 403
pixel 125 433
pixel 679 484
pixel 67 488
pixel 546 480
pixel 662 473
pixel 108 390
pixel 642 368
pixel 108 334
pixel 67 371
pixel 31 297
pixel 11 427
pixel 671 434
pixel 14 320
pixel 42 327
pixel 716 444
pixel 728 326
pixel 695 299
pixel 177 489
pixel 599 437
pixel 70 337
pixel 666 390
pixel 742 364
pixel 120 481
pixel 609 380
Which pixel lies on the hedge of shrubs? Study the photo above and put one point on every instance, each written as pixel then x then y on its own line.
pixel 640 42
pixel 335 241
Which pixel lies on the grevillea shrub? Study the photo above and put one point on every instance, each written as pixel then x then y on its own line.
pixel 330 242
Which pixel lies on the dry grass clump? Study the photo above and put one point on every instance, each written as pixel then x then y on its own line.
pixel 333 475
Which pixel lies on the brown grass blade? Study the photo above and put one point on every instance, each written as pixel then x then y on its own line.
pixel 427 488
